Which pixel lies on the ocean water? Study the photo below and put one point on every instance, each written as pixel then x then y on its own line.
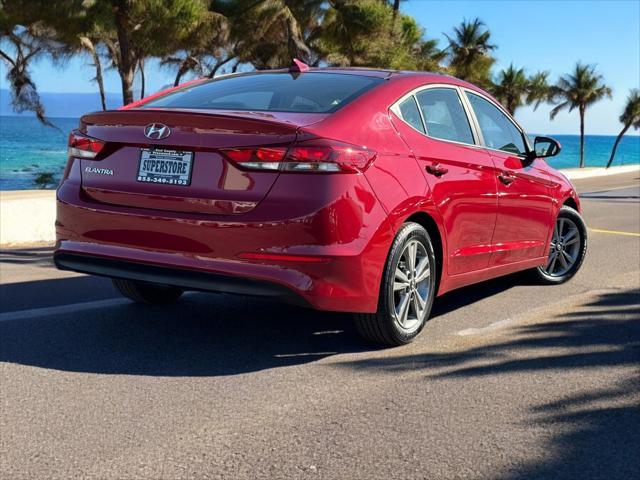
pixel 28 148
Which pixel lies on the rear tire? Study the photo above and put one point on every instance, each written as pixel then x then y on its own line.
pixel 147 292
pixel 567 251
pixel 407 290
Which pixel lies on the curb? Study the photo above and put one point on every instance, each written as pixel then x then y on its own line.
pixel 591 172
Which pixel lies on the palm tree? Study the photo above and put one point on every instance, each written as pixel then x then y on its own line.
pixel 270 33
pixel 209 40
pixel 539 89
pixel 579 89
pixel 512 85
pixel 630 117
pixel 429 56
pixel 514 89
pixel 470 52
pixel 22 42
pixel 356 33
pixel 142 29
pixel 409 49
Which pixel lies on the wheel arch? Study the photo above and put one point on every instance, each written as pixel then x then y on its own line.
pixel 572 202
pixel 429 224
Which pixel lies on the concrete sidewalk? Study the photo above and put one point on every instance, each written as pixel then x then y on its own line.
pixel 27 217
pixel 591 172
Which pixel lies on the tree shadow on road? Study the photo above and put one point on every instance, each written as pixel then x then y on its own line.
pixel 200 335
pixel 462 297
pixel 600 426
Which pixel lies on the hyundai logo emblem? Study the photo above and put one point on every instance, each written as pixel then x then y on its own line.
pixel 156 131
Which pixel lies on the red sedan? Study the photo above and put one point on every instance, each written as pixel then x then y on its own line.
pixel 365 191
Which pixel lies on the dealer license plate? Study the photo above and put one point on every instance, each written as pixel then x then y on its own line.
pixel 169 167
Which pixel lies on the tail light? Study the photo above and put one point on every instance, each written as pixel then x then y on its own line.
pixel 258 158
pixel 317 156
pixel 81 146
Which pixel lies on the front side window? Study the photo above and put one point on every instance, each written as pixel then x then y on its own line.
pixel 498 131
pixel 271 92
pixel 444 115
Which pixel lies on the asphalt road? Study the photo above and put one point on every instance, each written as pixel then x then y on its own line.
pixel 509 380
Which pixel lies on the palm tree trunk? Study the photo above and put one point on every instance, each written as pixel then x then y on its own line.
pixel 396 8
pixel 100 81
pixel 176 82
pixel 188 64
pixel 218 65
pixel 181 71
pixel 615 145
pixel 126 79
pixel 89 45
pixel 582 137
pixel 126 62
pixel 142 80
pixel 511 105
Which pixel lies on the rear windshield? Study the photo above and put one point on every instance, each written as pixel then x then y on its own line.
pixel 271 92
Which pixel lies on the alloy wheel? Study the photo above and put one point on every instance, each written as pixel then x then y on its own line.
pixel 411 286
pixel 565 247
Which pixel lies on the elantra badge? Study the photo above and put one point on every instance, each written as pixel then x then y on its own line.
pixel 100 171
pixel 156 131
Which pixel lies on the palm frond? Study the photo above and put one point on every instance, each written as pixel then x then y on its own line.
pixel 558 108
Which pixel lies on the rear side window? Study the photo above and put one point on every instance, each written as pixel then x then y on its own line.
pixel 444 115
pixel 276 92
pixel 410 114
pixel 498 131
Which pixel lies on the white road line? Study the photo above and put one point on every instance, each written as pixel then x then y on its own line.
pixel 624 187
pixel 62 309
pixel 573 300
pixel 304 354
pixel 480 330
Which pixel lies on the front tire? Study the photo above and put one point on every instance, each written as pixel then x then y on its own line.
pixel 407 290
pixel 147 293
pixel 567 251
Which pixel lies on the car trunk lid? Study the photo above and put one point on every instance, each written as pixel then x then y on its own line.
pixel 123 175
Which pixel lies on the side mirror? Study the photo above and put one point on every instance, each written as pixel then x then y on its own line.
pixel 546 147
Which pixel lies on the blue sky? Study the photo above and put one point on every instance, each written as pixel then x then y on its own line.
pixel 553 35
pixel 538 35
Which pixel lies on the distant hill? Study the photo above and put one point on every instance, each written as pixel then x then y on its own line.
pixel 64 104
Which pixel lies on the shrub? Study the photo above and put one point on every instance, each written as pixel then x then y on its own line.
pixel 44 179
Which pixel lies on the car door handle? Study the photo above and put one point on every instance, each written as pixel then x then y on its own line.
pixel 436 169
pixel 506 178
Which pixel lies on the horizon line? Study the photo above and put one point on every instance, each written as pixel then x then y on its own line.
pixel 627 134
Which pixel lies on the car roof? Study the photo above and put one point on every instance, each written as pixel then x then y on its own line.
pixel 363 71
pixel 419 77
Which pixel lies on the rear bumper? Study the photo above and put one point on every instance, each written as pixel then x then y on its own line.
pixel 178 277
pixel 332 257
